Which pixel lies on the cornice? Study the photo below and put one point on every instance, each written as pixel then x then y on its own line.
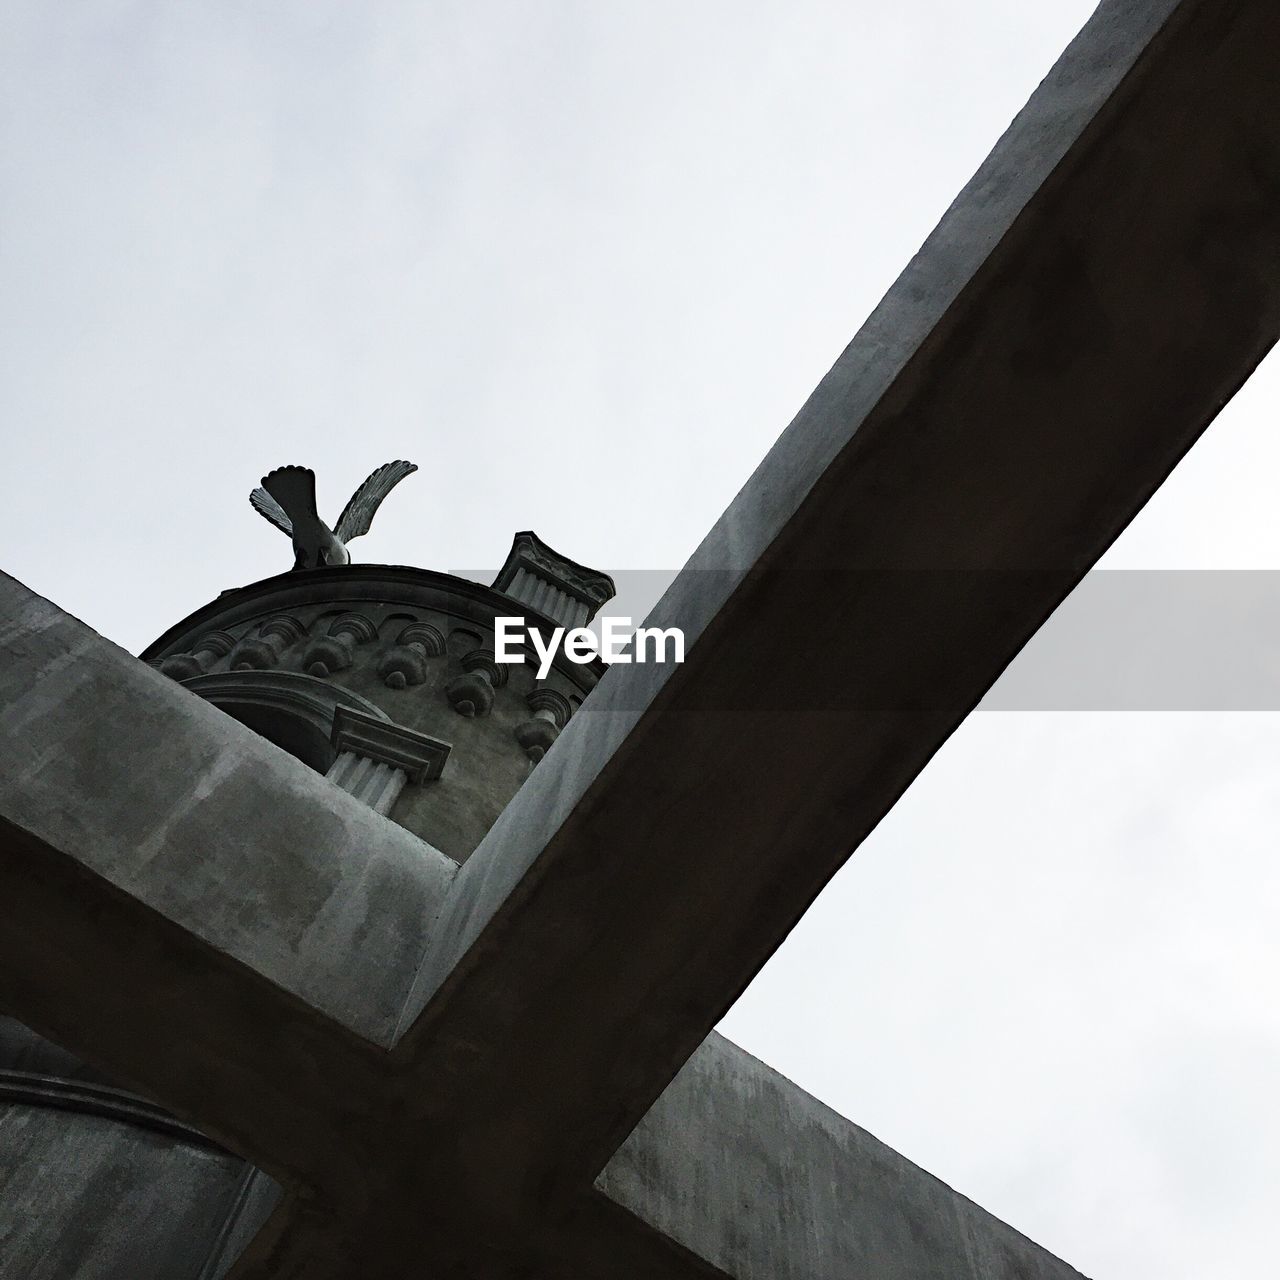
pixel 352 586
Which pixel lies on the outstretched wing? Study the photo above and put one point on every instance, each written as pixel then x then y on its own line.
pixel 357 516
pixel 265 505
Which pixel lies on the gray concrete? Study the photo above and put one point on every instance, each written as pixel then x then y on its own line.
pixel 80 1191
pixel 1087 305
pixel 199 915
pixel 96 1181
pixel 752 1175
pixel 185 798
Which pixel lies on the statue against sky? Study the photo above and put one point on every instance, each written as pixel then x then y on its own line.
pixel 287 497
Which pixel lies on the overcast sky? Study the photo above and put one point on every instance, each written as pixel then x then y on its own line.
pixel 582 262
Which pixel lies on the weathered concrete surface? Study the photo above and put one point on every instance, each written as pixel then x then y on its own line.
pixel 1085 308
pixel 96 1182
pixel 753 1175
pixel 78 1192
pixel 215 829
pixel 188 907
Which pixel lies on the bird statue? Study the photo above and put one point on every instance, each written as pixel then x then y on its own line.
pixel 287 498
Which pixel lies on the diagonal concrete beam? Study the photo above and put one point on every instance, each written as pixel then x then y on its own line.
pixel 839 1202
pixel 1087 305
pixel 191 909
pixel 734 1172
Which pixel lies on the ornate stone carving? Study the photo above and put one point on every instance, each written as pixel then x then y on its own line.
pixel 376 758
pixel 335 651
pixel 420 756
pixel 551 712
pixel 406 662
pixel 287 498
pixel 471 694
pixel 337 732
pixel 293 710
pixel 206 651
pixel 552 584
pixel 275 635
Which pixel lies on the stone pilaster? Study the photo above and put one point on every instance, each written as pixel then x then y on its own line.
pixel 376 759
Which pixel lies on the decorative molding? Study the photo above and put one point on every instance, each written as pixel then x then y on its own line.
pixel 305 705
pixel 39 1090
pixel 406 662
pixel 275 635
pixel 335 651
pixel 551 712
pixel 424 636
pixel 360 629
pixel 203 654
pixel 289 690
pixel 550 705
pixel 420 757
pixel 377 785
pixel 218 643
pixel 363 588
pixel 552 584
pixel 283 627
pixel 482 663
pixel 471 694
pixel 325 656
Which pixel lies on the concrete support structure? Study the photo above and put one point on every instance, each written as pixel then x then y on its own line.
pixel 503 1065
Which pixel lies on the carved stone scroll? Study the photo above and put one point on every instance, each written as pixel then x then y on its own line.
pixel 471 694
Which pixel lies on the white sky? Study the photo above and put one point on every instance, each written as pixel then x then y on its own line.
pixel 582 262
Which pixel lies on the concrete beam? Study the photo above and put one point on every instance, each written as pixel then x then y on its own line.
pixel 188 907
pixel 734 1172
pixel 840 1204
pixel 1087 305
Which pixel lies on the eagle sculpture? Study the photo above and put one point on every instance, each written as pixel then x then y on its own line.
pixel 288 499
